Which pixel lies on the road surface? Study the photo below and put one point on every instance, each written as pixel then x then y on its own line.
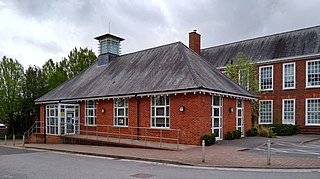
pixel 20 163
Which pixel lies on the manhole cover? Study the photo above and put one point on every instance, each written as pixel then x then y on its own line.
pixel 142 175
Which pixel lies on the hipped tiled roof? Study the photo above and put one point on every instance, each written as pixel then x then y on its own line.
pixel 166 68
pixel 284 45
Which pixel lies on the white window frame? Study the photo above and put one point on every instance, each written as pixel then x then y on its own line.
pixel 154 106
pixel 240 117
pixel 284 112
pixel 284 77
pixel 125 115
pixel 306 122
pixel 87 109
pixel 270 112
pixel 220 117
pixel 269 89
pixel 55 117
pixel 307 65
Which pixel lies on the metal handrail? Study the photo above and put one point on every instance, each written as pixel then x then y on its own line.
pixel 131 132
pixel 94 131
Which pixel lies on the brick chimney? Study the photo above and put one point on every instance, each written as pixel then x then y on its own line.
pixel 194 41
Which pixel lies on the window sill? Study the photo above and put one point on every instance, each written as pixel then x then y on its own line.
pixel 266 90
pixel 286 89
pixel 264 123
pixel 311 125
pixel 120 126
pixel 159 127
pixel 312 87
pixel 288 123
pixel 91 125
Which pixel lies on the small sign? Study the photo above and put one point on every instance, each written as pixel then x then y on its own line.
pixel 120 121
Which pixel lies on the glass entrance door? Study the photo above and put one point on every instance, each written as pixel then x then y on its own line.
pixel 217 117
pixel 240 116
pixel 70 122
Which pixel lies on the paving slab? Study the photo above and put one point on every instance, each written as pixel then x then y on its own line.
pixel 236 153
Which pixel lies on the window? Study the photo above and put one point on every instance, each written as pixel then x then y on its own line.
pixel 244 78
pixel 313 73
pixel 289 76
pixel 121 112
pixel 265 112
pixel 52 119
pixel 91 111
pixel 313 111
pixel 288 108
pixel 160 111
pixel 266 78
pixel 240 116
pixel 216 116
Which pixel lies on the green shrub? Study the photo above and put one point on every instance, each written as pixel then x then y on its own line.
pixel 252 132
pixel 285 129
pixel 266 131
pixel 236 134
pixel 229 136
pixel 263 131
pixel 209 139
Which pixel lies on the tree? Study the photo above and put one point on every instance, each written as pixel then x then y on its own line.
pixel 34 86
pixel 11 81
pixel 79 60
pixel 244 72
pixel 67 68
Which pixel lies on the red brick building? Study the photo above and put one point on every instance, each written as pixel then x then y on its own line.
pixel 169 91
pixel 289 75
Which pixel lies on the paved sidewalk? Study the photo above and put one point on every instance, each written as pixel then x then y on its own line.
pixel 236 153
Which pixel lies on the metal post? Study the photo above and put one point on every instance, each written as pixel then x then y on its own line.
pixel 269 152
pixel 178 140
pixel 14 140
pixel 5 140
pixel 145 138
pixel 203 151
pixel 160 138
pixel 97 132
pixel 23 140
pixel 132 135
pixel 107 133
pixel 86 131
pixel 119 133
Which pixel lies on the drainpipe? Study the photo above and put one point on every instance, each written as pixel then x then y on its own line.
pixel 138 115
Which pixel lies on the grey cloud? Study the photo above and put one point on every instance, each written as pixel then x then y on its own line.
pixel 144 24
pixel 47 46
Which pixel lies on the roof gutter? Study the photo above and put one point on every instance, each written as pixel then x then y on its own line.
pixel 193 90
pixel 301 57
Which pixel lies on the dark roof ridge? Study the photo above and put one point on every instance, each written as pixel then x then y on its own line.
pixel 215 68
pixel 152 48
pixel 181 45
pixel 203 59
pixel 260 37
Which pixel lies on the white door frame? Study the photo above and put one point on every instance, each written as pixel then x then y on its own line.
pixel 240 117
pixel 71 111
pixel 219 117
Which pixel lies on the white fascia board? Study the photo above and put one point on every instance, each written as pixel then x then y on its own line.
pixel 301 57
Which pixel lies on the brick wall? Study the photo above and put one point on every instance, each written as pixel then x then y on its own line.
pixel 193 122
pixel 300 93
pixel 42 118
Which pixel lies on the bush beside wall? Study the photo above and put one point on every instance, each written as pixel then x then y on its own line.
pixel 209 139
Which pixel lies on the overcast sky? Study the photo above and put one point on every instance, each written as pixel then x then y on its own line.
pixel 33 31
